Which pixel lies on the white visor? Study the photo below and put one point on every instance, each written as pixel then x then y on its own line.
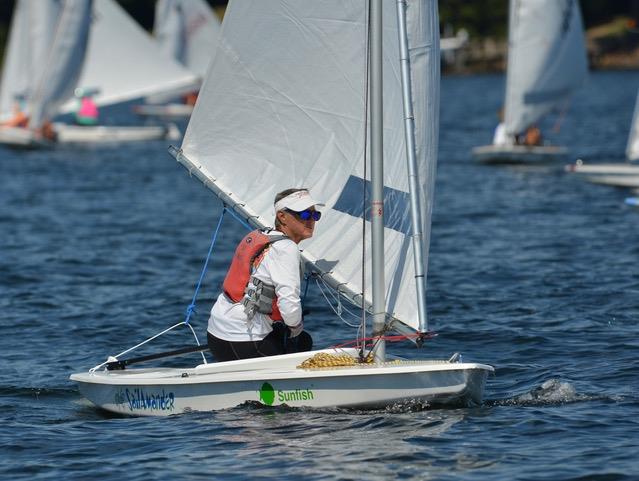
pixel 297 201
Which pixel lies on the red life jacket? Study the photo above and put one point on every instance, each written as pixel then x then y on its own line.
pixel 248 255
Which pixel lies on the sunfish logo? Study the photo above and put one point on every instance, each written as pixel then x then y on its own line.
pixel 267 394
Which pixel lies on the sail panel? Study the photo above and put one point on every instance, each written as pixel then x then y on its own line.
pixel 15 74
pixel 188 31
pixel 33 29
pixel 123 62
pixel 284 105
pixel 64 61
pixel 170 29
pixel 546 59
pixel 632 149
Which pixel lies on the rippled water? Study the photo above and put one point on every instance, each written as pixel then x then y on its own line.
pixel 530 271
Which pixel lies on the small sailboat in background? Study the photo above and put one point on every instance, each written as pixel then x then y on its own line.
pixel 187 32
pixel 45 60
pixel 98 57
pixel 546 64
pixel 620 174
pixel 322 119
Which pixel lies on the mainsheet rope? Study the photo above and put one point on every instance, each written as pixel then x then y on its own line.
pixel 191 309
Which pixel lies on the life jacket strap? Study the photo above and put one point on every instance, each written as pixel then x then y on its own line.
pixel 258 297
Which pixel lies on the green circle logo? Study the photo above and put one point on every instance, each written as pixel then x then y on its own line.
pixel 267 394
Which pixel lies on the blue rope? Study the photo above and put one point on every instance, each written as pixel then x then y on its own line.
pixel 191 309
pixel 239 219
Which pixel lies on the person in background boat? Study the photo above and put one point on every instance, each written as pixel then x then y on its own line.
pixel 259 312
pixel 47 131
pixel 190 98
pixel 532 136
pixel 19 117
pixel 87 113
pixel 21 120
pixel 501 137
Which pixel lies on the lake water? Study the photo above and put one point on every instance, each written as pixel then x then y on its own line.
pixel 530 270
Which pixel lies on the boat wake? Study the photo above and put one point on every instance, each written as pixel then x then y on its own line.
pixel 550 392
pixel 401 407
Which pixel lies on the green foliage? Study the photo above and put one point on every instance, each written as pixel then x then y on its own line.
pixel 481 18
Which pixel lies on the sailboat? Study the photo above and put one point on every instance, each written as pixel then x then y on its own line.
pixel 546 64
pixel 293 105
pixel 619 174
pixel 113 68
pixel 187 32
pixel 47 57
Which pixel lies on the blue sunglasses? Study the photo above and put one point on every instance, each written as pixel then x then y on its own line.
pixel 306 214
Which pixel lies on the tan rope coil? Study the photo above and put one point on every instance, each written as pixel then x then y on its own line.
pixel 325 359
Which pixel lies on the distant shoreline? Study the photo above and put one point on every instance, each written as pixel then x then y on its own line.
pixel 490 56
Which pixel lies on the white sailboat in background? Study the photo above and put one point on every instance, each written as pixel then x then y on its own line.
pixel 53 47
pixel 546 64
pixel 25 55
pixel 121 63
pixel 620 174
pixel 187 32
pixel 285 103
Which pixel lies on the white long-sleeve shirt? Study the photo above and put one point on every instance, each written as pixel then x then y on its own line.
pixel 280 267
pixel 501 137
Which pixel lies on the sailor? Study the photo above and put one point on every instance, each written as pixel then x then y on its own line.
pixel 20 120
pixel 259 312
pixel 87 113
pixel 19 117
pixel 532 136
pixel 500 136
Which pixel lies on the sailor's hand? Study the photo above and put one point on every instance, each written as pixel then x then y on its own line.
pixel 296 330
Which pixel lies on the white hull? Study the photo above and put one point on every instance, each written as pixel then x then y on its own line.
pixel 65 134
pixel 20 138
pixel 519 154
pixel 618 175
pixel 75 134
pixel 168 111
pixel 277 381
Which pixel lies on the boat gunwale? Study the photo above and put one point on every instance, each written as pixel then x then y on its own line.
pixel 177 376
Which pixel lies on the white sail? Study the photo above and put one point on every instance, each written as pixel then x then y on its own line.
pixel 15 74
pixel 169 29
pixel 123 62
pixel 546 59
pixel 64 61
pixel 632 149
pixel 33 28
pixel 44 56
pixel 270 117
pixel 44 18
pixel 188 31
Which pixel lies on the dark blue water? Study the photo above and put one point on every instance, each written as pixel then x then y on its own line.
pixel 530 270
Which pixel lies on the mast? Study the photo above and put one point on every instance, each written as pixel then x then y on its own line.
pixel 411 158
pixel 377 178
